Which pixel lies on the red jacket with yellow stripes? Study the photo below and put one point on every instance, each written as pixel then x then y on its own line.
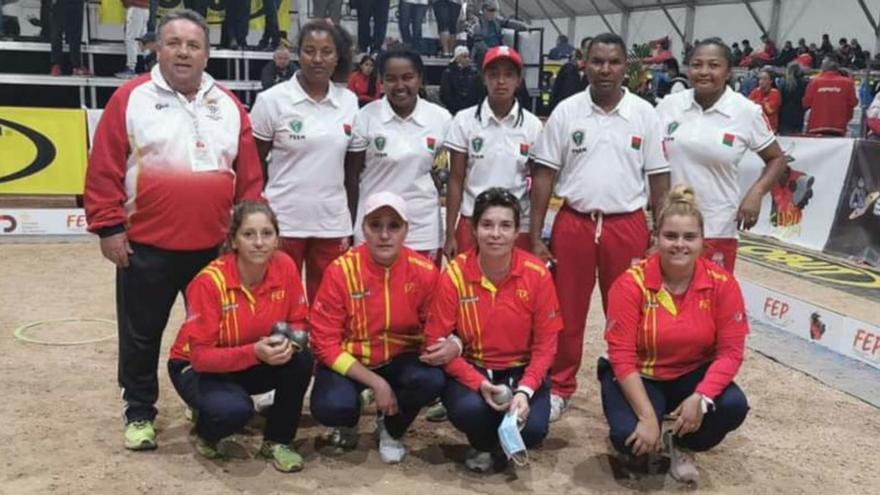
pixel 224 319
pixel 369 313
pixel 663 337
pixel 511 325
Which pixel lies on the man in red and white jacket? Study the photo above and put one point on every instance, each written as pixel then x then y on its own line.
pixel 831 97
pixel 173 152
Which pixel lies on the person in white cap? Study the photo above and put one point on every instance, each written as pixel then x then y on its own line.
pixel 460 82
pixel 393 148
pixel 367 330
pixel 489 146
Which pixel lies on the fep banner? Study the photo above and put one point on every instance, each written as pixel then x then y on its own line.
pixel 60 221
pixel 113 12
pixel 800 208
pixel 43 150
pixel 856 230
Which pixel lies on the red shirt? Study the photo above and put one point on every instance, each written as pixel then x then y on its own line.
pixel 805 60
pixel 831 98
pixel 369 313
pixel 651 334
pixel 224 319
pixel 770 103
pixel 359 84
pixel 511 325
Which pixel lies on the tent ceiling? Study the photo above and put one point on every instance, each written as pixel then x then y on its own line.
pixel 530 9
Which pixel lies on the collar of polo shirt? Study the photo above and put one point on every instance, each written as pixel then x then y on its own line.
pixel 156 76
pixel 299 94
pixel 722 106
pixel 417 115
pixel 623 106
pixel 487 115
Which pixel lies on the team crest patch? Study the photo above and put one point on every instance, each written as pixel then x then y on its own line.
pixel 379 142
pixel 577 137
pixel 728 139
pixel 671 128
pixel 296 125
pixel 477 144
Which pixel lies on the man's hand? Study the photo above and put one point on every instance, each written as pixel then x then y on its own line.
pixel 440 353
pixel 386 401
pixel 273 355
pixel 116 249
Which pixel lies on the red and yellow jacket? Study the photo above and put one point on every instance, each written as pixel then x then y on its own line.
pixel 224 319
pixel 369 313
pixel 663 337
pixel 514 324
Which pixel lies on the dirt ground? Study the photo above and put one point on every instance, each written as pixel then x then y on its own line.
pixel 61 428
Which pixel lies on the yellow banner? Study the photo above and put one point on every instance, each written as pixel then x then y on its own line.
pixel 44 151
pixel 112 12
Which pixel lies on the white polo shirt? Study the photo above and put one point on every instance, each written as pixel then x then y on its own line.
pixel 705 147
pixel 306 185
pixel 602 158
pixel 497 153
pixel 399 157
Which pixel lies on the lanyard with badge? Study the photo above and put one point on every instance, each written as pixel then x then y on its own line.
pixel 201 153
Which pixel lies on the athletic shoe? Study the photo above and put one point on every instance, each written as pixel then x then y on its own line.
pixel 55 70
pixel 140 435
pixel 126 73
pixel 478 461
pixel 436 413
pixel 282 456
pixel 208 450
pixel 558 405
pixel 391 450
pixel 82 71
pixel 345 437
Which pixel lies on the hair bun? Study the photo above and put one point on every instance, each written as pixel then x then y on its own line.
pixel 681 193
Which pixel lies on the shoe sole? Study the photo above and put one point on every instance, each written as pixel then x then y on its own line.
pixel 144 445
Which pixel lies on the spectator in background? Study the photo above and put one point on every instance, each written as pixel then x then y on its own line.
pixel 791 114
pixel 412 15
pixel 67 24
pixel 860 56
pixel 236 24
pixel 136 17
pixel 363 81
pixel 735 52
pixel 674 81
pixel 767 54
pixel 826 49
pixel 370 38
pixel 802 43
pixel 831 97
pixel 447 12
pixel 844 53
pixel 786 55
pixel 271 38
pixel 328 9
pixel 873 118
pixel 805 58
pixel 200 6
pixel 488 30
pixel 768 98
pixel 149 47
pixel 814 52
pixel 460 85
pixel 659 52
pixel 571 78
pixel 280 69
pixel 748 83
pixel 746 48
pixel 563 49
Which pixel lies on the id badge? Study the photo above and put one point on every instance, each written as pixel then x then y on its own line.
pixel 202 156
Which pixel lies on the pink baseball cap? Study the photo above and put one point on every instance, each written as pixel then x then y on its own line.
pixel 502 52
pixel 381 199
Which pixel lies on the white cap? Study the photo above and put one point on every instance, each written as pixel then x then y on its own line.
pixel 459 50
pixel 382 199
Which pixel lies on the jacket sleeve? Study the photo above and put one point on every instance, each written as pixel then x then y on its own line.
pixel 442 319
pixel 248 169
pixel 621 327
pixel 731 328
pixel 298 310
pixel 810 93
pixel 329 319
pixel 203 315
pixel 547 321
pixel 105 192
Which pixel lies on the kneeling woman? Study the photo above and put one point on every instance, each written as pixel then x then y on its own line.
pixel 223 352
pixel 501 303
pixel 368 320
pixel 676 333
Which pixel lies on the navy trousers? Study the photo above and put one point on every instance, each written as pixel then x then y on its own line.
pixel 223 400
pixel 730 411
pixel 336 399
pixel 470 414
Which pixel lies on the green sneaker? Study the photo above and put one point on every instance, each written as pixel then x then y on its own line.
pixel 436 413
pixel 140 435
pixel 208 450
pixel 283 457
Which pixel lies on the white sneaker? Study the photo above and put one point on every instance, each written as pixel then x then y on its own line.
pixel 558 405
pixel 391 450
pixel 264 401
pixel 478 461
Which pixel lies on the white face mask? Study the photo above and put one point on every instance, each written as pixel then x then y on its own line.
pixel 511 441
